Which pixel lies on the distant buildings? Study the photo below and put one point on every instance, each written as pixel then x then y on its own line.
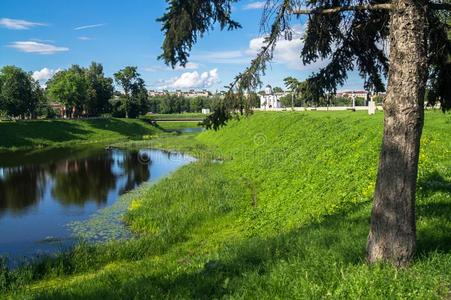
pixel 352 94
pixel 180 93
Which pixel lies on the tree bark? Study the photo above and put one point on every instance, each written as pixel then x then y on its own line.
pixel 392 235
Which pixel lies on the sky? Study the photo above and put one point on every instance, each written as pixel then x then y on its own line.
pixel 45 36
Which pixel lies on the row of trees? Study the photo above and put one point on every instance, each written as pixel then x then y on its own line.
pixel 87 92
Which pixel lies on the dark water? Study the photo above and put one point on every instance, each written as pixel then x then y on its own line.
pixel 41 192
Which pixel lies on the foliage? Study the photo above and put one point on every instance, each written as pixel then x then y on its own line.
pixel 134 102
pixel 174 104
pixel 20 95
pixel 185 21
pixel 277 89
pixel 350 39
pixel 83 91
pixel 342 101
pixel 242 228
pixel 303 91
pixel 100 90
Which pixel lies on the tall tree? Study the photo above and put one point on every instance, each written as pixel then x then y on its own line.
pixel 100 90
pixel 20 95
pixel 350 33
pixel 69 87
pixel 135 93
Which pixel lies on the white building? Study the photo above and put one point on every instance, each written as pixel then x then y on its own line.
pixel 269 99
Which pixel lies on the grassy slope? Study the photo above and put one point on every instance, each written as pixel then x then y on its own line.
pixel 286 215
pixel 35 134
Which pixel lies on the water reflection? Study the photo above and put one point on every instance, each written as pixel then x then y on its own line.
pixel 73 181
pixel 20 188
pixel 41 192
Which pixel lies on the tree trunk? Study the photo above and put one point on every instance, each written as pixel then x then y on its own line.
pixel 392 235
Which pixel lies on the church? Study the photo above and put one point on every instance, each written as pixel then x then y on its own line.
pixel 270 100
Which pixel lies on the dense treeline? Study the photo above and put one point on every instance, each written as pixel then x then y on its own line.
pixel 20 95
pixel 82 91
pixel 86 92
pixel 174 104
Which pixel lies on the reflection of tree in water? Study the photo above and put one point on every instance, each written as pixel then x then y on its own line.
pixel 21 188
pixel 89 179
pixel 136 168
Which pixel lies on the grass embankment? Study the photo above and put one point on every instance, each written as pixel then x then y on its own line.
pixel 286 215
pixel 23 135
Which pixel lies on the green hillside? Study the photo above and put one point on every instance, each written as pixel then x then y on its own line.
pixel 283 214
pixel 23 135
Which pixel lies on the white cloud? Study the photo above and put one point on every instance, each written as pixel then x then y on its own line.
pixel 18 24
pixel 85 38
pixel 36 47
pixel 89 26
pixel 191 80
pixel 287 52
pixel 44 74
pixel 255 5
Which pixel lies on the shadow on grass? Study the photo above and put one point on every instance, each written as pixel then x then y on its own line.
pixel 22 133
pixel 435 232
pixel 432 183
pixel 338 239
pixel 315 254
pixel 319 251
pixel 134 130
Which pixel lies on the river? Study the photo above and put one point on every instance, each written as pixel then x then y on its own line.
pixel 41 192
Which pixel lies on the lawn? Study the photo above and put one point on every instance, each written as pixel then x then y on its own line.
pixel 23 135
pixel 282 212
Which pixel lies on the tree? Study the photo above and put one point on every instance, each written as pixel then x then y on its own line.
pixel 304 91
pixel 100 90
pixel 350 34
pixel 277 89
pixel 20 94
pixel 70 88
pixel 135 93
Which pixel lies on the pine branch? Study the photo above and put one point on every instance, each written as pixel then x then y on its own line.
pixel 379 6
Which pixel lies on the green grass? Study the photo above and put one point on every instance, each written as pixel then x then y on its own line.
pixel 23 135
pixel 285 215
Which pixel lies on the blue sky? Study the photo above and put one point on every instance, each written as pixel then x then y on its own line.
pixel 47 35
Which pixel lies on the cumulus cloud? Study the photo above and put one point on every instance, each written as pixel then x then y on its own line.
pixel 255 5
pixel 89 26
pixel 287 52
pixel 44 74
pixel 18 24
pixel 37 47
pixel 191 80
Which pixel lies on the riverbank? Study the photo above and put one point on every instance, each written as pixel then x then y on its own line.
pixel 285 214
pixel 26 135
